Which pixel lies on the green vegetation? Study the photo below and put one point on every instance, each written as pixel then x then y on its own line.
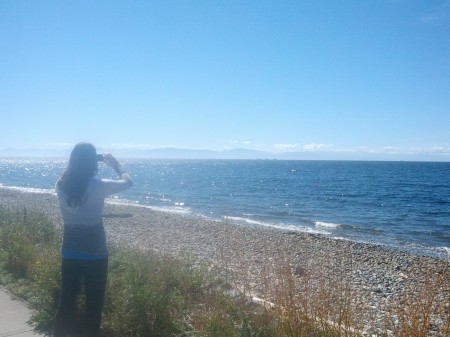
pixel 146 295
pixel 160 296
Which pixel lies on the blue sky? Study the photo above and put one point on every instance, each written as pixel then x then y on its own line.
pixel 341 78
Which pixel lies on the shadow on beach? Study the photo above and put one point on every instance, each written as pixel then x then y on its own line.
pixel 118 215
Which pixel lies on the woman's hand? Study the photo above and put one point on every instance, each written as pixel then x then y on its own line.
pixel 112 162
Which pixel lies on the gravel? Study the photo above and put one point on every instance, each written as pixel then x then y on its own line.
pixel 254 257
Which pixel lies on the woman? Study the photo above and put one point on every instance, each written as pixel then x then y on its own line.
pixel 84 254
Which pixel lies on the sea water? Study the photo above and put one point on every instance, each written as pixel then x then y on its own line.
pixel 399 204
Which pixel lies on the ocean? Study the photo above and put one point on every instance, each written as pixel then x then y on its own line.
pixel 405 205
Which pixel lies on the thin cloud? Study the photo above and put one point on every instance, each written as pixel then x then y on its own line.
pixel 441 14
pixel 441 150
pixel 299 147
pixel 363 149
pixel 132 146
pixel 245 144
pixel 317 147
pixel 285 147
pixel 390 149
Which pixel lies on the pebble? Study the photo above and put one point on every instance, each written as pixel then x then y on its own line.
pixel 376 275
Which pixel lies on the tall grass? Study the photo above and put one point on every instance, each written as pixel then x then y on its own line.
pixel 23 238
pixel 423 307
pixel 151 295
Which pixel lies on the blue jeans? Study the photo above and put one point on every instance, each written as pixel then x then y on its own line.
pixel 94 273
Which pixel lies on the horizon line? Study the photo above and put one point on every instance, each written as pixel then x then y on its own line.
pixel 361 154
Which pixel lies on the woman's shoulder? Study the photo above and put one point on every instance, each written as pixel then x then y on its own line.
pixel 95 181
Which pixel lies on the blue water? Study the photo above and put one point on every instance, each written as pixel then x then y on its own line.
pixel 399 204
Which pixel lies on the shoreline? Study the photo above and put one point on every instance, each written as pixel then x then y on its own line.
pixel 248 254
pixel 439 252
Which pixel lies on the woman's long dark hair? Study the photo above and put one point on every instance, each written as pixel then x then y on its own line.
pixel 81 168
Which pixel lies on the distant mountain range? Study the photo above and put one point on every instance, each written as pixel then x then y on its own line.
pixel 176 153
pixel 160 153
pixel 238 153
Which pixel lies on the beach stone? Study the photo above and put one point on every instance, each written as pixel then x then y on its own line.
pixel 377 275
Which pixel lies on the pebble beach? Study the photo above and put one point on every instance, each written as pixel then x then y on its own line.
pixel 251 257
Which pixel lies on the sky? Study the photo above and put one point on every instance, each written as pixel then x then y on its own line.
pixel 340 79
